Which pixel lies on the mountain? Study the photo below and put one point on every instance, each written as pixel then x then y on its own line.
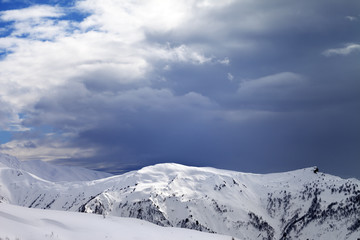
pixel 51 172
pixel 38 224
pixel 304 204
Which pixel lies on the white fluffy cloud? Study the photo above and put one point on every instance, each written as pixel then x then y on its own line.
pixel 108 44
pixel 36 22
pixel 130 19
pixel 30 13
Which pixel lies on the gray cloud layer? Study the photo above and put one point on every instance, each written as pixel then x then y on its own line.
pixel 242 85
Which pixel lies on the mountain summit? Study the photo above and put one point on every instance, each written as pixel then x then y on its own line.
pixel 304 204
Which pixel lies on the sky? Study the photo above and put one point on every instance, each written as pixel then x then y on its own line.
pixel 245 85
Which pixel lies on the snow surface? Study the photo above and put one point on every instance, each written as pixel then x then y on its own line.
pixel 36 224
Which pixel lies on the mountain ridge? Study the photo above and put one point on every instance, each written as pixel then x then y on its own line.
pixel 51 172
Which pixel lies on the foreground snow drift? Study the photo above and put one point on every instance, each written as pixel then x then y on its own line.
pixel 37 224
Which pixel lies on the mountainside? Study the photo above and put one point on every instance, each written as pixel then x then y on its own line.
pixel 38 224
pixel 51 172
pixel 303 204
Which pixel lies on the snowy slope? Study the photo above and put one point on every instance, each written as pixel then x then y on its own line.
pixel 37 224
pixel 299 204
pixel 51 172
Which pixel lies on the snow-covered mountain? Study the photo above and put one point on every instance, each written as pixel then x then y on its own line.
pixel 304 204
pixel 51 172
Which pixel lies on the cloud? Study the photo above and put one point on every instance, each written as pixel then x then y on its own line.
pixel 225 61
pixel 230 77
pixel 91 122
pixel 130 19
pixel 351 18
pixel 275 91
pixel 31 13
pixel 45 149
pixel 183 53
pixel 348 49
pixel 6 116
pixel 106 50
pixel 278 82
pixel 36 22
pixel 9 118
pixel 58 105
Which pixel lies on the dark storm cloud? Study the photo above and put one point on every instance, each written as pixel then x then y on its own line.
pixel 164 128
pixel 243 85
pixel 132 127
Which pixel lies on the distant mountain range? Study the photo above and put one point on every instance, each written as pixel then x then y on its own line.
pixel 51 172
pixel 301 204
